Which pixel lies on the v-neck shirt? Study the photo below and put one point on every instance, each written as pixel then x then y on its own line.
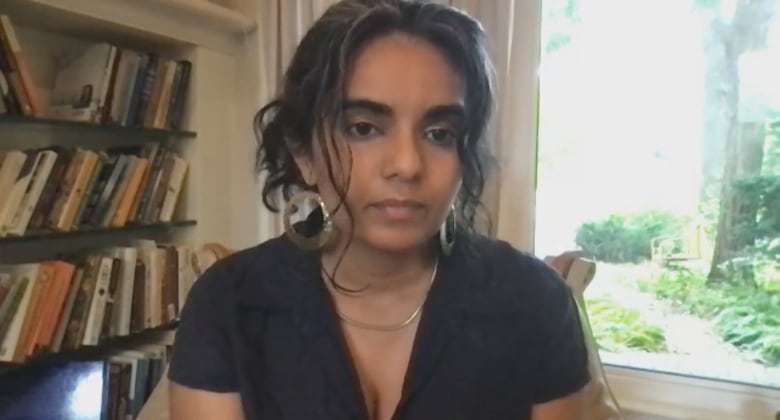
pixel 499 332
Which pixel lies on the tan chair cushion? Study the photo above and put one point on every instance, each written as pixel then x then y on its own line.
pixel 156 407
pixel 578 273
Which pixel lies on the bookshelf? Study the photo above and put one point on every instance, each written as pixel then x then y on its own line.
pixel 20 122
pixel 213 137
pixel 104 350
pixel 139 229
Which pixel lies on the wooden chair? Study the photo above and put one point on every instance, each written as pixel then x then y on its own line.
pixel 579 273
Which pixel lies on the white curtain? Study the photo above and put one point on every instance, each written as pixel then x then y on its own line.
pixel 513 29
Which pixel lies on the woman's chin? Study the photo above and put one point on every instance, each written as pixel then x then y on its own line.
pixel 396 241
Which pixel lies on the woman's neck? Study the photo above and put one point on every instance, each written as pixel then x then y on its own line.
pixel 361 268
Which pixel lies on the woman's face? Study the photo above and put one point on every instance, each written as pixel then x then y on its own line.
pixel 403 116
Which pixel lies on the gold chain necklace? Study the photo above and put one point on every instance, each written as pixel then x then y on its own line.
pixel 386 328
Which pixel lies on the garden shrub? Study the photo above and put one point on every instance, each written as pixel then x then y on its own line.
pixel 626 238
pixel 617 328
pixel 746 316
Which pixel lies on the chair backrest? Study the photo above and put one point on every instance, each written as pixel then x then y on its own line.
pixel 600 401
pixel 156 406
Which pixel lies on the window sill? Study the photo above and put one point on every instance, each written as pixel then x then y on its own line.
pixel 683 397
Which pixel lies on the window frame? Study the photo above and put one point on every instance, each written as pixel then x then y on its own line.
pixel 678 396
pixel 643 391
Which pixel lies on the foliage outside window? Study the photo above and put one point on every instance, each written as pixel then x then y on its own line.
pixel 659 157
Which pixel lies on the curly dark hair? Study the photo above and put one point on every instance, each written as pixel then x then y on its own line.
pixel 312 90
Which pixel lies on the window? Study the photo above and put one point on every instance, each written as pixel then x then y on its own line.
pixel 659 157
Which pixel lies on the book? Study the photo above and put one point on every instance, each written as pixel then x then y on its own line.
pixel 100 83
pixel 67 189
pixel 86 300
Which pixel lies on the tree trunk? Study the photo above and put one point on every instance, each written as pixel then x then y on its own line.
pixel 716 115
pixel 737 218
pixel 744 140
pixel 751 156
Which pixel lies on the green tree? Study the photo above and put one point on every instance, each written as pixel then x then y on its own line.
pixel 733 143
pixel 559 23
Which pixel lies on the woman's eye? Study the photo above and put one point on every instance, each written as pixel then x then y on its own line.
pixel 361 130
pixel 442 136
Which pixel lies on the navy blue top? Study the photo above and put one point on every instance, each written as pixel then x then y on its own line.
pixel 499 332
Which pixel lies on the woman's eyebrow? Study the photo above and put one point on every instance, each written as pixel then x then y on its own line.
pixel 367 105
pixel 435 113
pixel 444 112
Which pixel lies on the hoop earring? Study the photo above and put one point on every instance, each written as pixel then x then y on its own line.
pixel 447 232
pixel 312 240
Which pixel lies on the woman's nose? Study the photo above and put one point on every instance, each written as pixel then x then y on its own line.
pixel 404 157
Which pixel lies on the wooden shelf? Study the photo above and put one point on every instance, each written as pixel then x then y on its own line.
pixel 141 228
pixel 230 20
pixel 99 351
pixel 163 23
pixel 83 127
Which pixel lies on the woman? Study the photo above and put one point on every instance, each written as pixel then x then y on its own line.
pixel 381 304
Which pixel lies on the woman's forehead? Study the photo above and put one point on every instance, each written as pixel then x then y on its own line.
pixel 403 72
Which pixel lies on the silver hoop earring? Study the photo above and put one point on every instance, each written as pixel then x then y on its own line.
pixel 447 232
pixel 314 237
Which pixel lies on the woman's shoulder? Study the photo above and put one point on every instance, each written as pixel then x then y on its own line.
pixel 254 271
pixel 506 274
pixel 204 349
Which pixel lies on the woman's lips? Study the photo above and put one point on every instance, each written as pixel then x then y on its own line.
pixel 398 210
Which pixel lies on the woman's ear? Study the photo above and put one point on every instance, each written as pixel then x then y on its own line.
pixel 306 168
